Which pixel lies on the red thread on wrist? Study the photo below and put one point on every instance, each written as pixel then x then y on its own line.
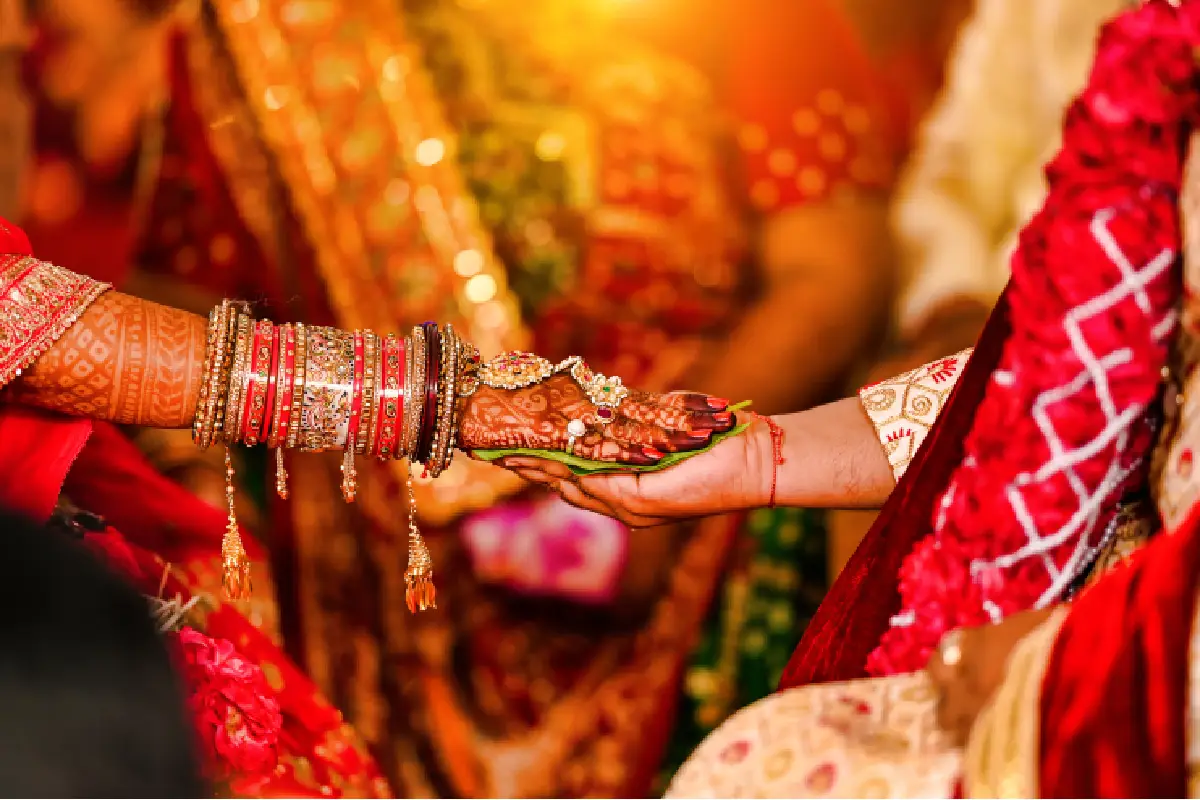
pixel 777 451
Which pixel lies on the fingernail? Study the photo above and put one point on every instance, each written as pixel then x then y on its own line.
pixel 719 403
pixel 701 436
pixel 708 422
pixel 651 452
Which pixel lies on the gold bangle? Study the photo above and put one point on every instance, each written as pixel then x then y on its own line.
pixel 225 376
pixel 239 380
pixel 201 427
pixel 442 452
pixel 216 354
pixel 415 409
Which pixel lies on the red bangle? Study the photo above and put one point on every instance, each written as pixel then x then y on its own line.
pixel 278 434
pixel 368 431
pixel 256 393
pixel 272 384
pixel 356 391
pixel 391 405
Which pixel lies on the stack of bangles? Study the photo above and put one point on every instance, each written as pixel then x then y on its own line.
pixel 317 389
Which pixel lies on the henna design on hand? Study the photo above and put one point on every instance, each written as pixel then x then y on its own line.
pixel 533 417
pixel 536 417
pixel 679 411
pixel 126 360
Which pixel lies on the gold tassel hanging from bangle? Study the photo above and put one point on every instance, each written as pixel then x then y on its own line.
pixel 281 475
pixel 235 565
pixel 349 475
pixel 419 593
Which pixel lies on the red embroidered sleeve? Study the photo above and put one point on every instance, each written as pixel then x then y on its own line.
pixel 38 303
pixel 904 408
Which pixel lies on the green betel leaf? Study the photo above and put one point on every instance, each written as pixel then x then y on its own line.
pixel 585 466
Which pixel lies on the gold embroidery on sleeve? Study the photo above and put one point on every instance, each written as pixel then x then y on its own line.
pixel 903 409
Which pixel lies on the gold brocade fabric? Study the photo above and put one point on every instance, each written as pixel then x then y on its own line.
pixel 867 738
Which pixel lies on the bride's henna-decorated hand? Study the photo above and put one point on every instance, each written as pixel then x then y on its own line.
pixel 644 428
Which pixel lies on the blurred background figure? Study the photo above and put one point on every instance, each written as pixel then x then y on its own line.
pixel 92 705
pixel 659 187
pixel 975 177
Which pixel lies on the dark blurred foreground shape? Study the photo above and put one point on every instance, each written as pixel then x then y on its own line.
pixel 89 702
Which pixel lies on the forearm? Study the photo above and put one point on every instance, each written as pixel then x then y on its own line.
pixel 126 360
pixel 832 459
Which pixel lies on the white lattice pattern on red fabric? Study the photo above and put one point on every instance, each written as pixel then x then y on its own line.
pixel 1092 383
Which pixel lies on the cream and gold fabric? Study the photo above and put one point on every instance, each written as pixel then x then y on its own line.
pixel 976 174
pixel 903 409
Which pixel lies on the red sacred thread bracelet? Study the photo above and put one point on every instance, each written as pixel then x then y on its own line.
pixel 777 447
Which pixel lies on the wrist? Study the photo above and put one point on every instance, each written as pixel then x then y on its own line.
pixel 760 474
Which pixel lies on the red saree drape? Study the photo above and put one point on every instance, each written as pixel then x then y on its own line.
pixel 855 613
pixel 1114 702
pixel 36 448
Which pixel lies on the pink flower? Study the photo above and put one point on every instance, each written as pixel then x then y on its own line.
pixel 236 713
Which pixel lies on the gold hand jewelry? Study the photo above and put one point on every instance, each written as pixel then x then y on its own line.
pixel 517 370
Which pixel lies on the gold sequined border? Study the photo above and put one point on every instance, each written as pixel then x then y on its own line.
pixel 39 302
pixel 904 409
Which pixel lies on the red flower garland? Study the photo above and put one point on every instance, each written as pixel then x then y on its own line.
pixel 236 714
pixel 1064 427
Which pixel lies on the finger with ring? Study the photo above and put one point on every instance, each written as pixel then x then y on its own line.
pixel 575 429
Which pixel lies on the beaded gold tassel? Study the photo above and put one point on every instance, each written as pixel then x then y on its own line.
pixel 349 476
pixel 281 475
pixel 235 565
pixel 419 593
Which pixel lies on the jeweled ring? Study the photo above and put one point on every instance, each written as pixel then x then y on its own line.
pixel 950 648
pixel 575 429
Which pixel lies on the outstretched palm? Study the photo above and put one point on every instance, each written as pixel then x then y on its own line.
pixel 728 477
